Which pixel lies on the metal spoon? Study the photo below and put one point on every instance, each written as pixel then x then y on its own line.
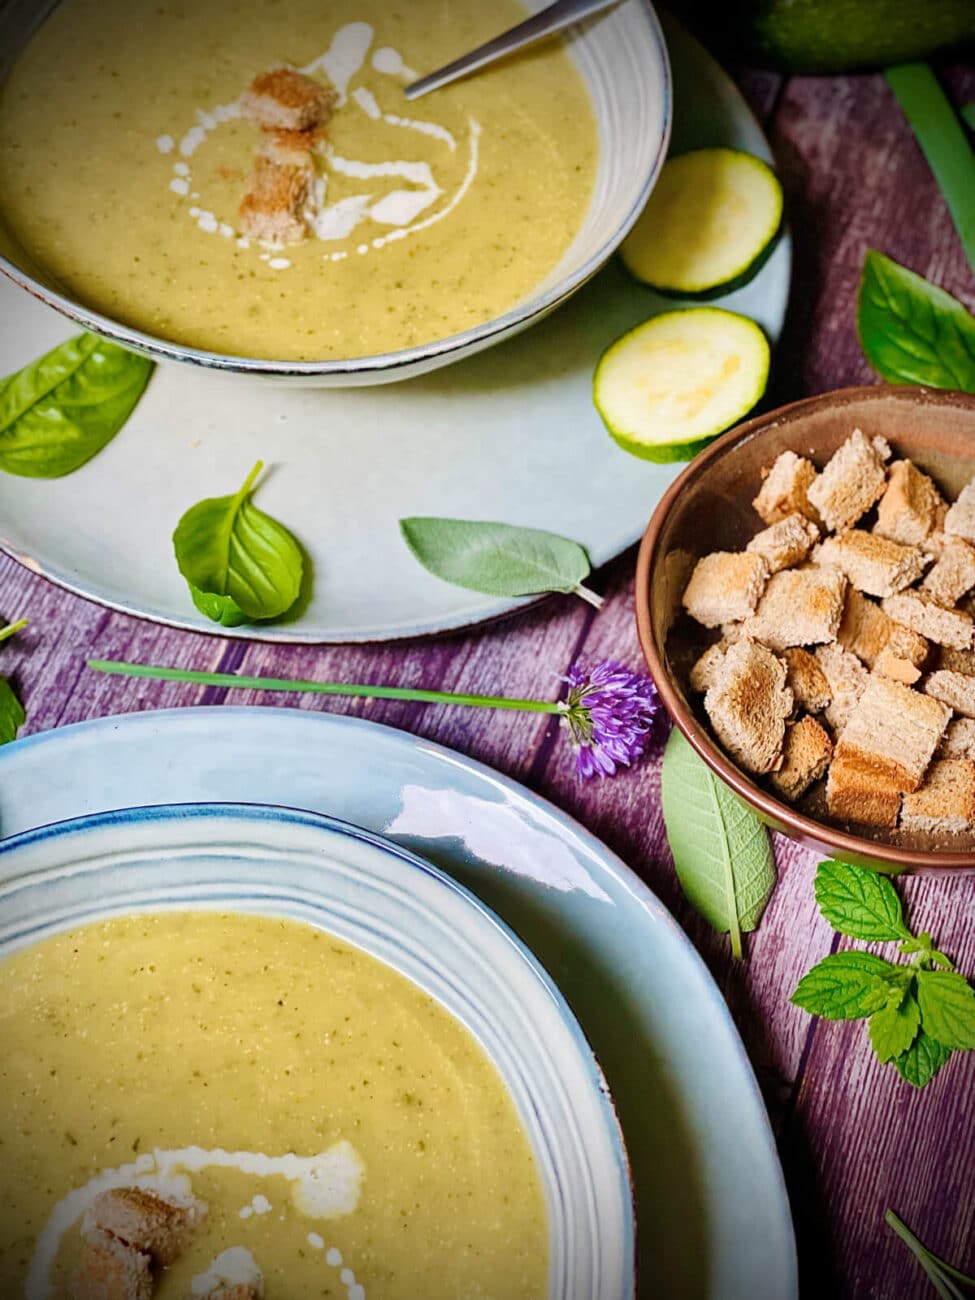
pixel 558 15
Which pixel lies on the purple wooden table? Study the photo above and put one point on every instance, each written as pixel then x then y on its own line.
pixel 853 1137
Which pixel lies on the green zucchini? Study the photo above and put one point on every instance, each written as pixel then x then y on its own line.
pixel 666 388
pixel 709 224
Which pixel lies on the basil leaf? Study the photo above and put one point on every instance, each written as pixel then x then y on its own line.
pixel 947 1008
pixel 497 559
pixel 62 409
pixel 12 715
pixel 859 903
pixel 968 115
pixel 922 1060
pixel 721 850
pixel 911 331
pixel 895 1026
pixel 240 564
pixel 846 986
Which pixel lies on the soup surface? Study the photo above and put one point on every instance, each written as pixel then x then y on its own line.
pixel 124 158
pixel 375 1149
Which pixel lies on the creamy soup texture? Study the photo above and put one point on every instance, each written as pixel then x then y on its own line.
pixel 124 158
pixel 341 1127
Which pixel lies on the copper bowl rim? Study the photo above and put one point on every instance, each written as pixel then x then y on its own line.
pixel 795 824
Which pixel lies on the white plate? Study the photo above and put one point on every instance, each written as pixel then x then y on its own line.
pixel 510 435
pixel 711 1203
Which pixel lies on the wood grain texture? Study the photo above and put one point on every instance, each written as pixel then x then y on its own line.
pixel 854 1138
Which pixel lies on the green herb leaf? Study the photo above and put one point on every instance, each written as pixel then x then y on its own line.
pixel 497 559
pixel 721 850
pixel 860 903
pixel 947 1008
pixel 894 1027
pixel 12 715
pixel 847 986
pixel 968 114
pixel 911 331
pixel 240 564
pixel 922 1060
pixel 62 409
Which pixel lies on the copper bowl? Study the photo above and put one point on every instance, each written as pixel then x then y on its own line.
pixel 708 508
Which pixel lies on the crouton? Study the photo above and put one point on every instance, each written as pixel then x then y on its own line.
pixel 291 148
pixel 893 730
pixel 895 666
pixel 110 1270
pixel 957 690
pixel 960 519
pixel 748 702
pixel 799 607
pixel 805 757
pixel 725 587
pixel 873 564
pixel 271 210
pixel 911 508
pixel 154 1224
pixel 847 680
pixel 954 573
pixel 907 644
pixel 702 673
pixel 785 543
pixel 916 610
pixel 784 490
pixel 806 680
pixel 853 479
pixel 959 740
pixel 945 803
pixel 864 629
pixel 862 795
pixel 285 99
pixel 955 661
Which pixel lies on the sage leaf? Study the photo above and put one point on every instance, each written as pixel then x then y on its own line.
pixel 859 903
pixel 12 715
pixel 721 850
pixel 947 1008
pixel 911 331
pixel 846 986
pixel 239 563
pixel 895 1026
pixel 62 409
pixel 496 559
pixel 922 1060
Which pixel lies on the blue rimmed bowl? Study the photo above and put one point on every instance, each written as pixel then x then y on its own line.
pixel 401 910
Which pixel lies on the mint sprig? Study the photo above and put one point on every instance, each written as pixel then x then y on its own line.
pixel 942 1275
pixel 12 715
pixel 919 1011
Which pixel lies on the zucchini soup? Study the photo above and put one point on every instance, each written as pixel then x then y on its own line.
pixel 196 1101
pixel 247 177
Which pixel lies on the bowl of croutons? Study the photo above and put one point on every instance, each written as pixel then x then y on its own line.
pixel 806 606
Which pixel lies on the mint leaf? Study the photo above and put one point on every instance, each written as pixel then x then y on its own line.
pixel 947 1008
pixel 12 715
pixel 922 1060
pixel 847 986
pixel 968 113
pixel 894 1027
pixel 860 903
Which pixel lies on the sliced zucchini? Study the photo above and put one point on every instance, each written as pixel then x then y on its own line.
pixel 708 224
pixel 666 388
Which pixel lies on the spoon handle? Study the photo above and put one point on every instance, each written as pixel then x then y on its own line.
pixel 552 19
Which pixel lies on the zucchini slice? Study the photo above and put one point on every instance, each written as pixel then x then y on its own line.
pixel 666 388
pixel 709 223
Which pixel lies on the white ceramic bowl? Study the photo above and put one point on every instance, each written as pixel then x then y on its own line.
pixel 377 896
pixel 623 59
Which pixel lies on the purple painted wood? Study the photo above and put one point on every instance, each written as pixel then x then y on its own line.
pixel 854 1139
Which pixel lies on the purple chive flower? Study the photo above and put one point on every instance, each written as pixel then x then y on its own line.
pixel 609 712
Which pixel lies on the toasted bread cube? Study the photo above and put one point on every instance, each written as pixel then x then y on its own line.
pixel 725 587
pixel 945 803
pixel 784 490
pixel 853 479
pixel 702 673
pixel 957 690
pixel 916 610
pixel 156 1225
pixel 799 607
pixel 291 148
pixel 785 543
pixel 958 740
pixel 847 680
pixel 895 731
pixel 954 573
pixel 895 666
pixel 806 680
pixel 748 702
pixel 110 1270
pixel 805 757
pixel 911 508
pixel 862 795
pixel 960 519
pixel 955 661
pixel 865 628
pixel 873 564
pixel 287 100
pixel 272 209
pixel 908 644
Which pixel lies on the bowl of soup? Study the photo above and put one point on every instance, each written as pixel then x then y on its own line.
pixel 161 184
pixel 247 1046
